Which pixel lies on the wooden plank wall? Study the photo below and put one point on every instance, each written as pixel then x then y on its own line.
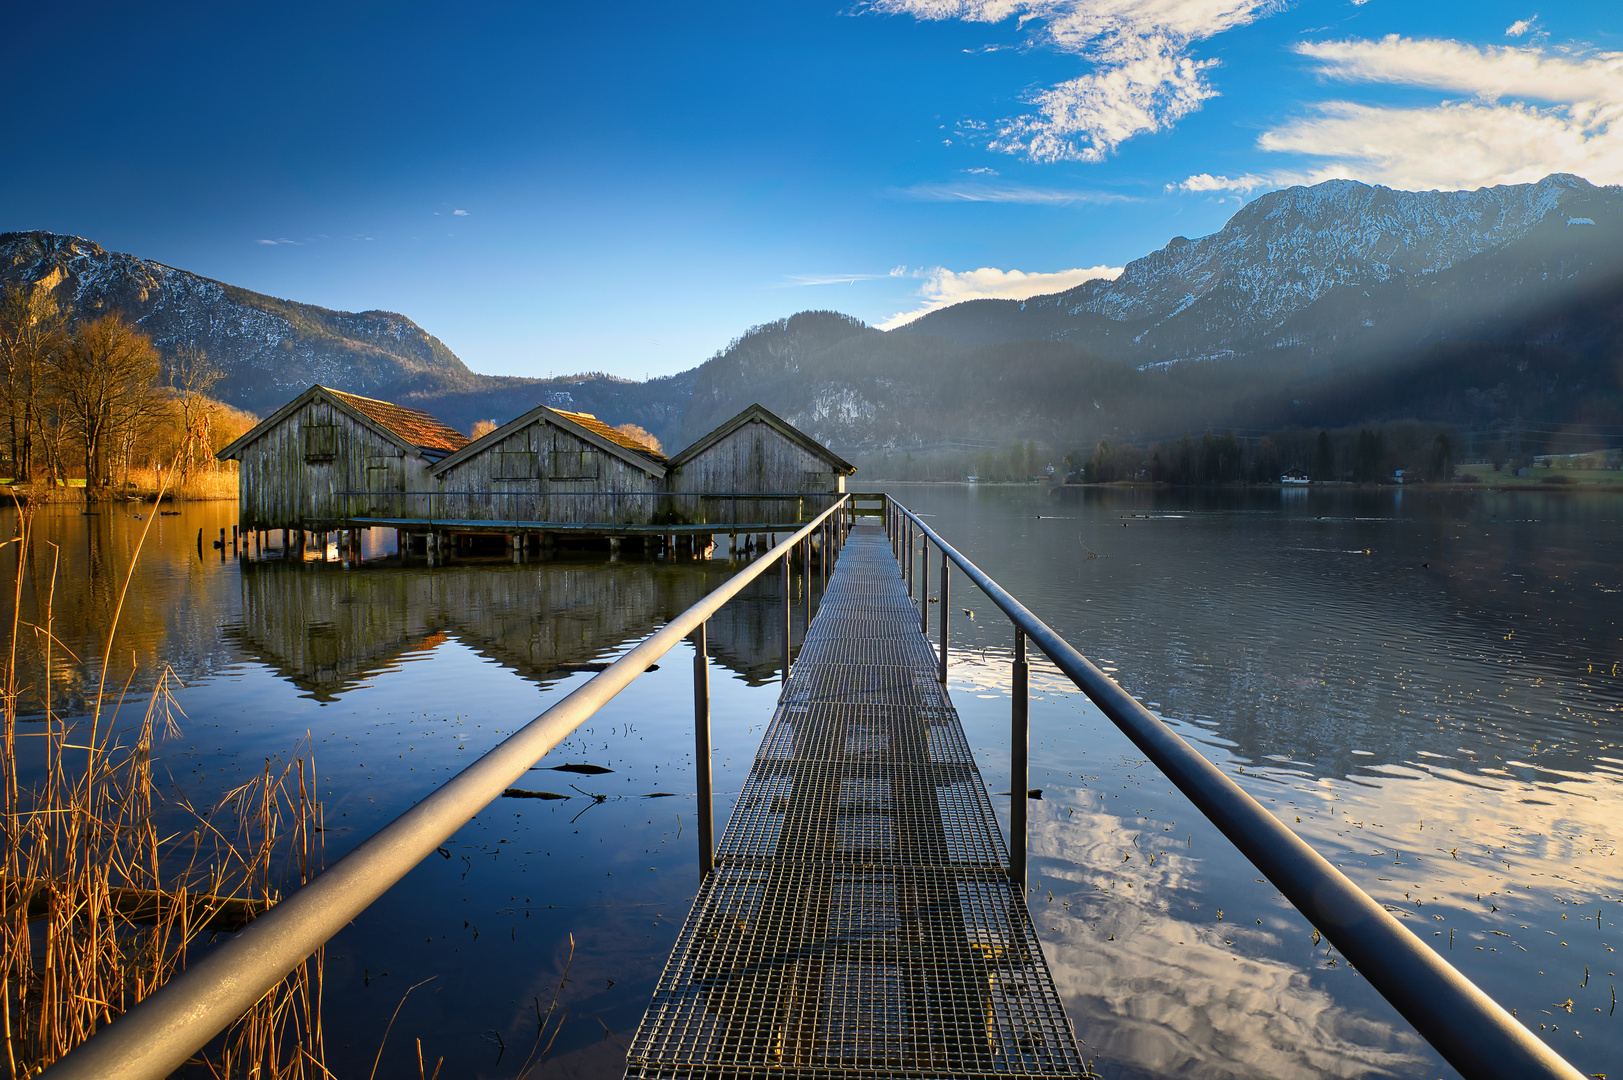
pixel 519 478
pixel 281 486
pixel 756 457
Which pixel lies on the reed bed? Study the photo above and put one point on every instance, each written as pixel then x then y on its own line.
pixel 214 482
pixel 106 887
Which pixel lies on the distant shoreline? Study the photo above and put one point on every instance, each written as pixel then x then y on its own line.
pixel 1603 486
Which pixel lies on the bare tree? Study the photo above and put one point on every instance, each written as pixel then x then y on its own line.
pixel 481 428
pixel 640 434
pixel 105 384
pixel 32 336
pixel 192 375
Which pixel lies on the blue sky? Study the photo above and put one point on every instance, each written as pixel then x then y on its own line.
pixel 625 187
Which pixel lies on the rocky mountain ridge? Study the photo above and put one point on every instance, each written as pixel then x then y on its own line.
pixel 1298 272
pixel 272 349
pixel 1333 304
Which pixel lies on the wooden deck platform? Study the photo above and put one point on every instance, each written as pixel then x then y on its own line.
pixel 860 919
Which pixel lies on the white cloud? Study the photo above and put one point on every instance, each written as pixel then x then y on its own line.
pixel 280 241
pixel 1564 114
pixel 1005 193
pixel 459 213
pixel 944 287
pixel 1143 78
pixel 1487 73
pixel 1521 26
pixel 1242 185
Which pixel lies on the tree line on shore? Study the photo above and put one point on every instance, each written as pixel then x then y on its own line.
pixel 94 398
pixel 1363 455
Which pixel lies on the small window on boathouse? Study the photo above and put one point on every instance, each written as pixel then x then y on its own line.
pixel 320 442
pixel 515 465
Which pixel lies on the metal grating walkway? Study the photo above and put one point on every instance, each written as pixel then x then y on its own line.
pixel 860 920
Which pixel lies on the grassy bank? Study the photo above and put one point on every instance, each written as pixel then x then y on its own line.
pixel 142 485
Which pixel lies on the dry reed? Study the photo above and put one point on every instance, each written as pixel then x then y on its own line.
pixel 99 906
pixel 211 483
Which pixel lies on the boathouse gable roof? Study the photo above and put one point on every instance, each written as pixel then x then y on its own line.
pixel 583 426
pixel 758 413
pixel 414 431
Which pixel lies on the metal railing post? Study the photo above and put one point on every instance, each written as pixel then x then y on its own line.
pixel 907 563
pixel 827 534
pixel 946 582
pixel 701 750
pixel 805 581
pixel 924 594
pixel 1019 760
pixel 786 616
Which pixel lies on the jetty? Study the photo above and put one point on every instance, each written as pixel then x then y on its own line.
pixel 860 916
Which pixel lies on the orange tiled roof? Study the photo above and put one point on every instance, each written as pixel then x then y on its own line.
pixel 619 438
pixel 417 428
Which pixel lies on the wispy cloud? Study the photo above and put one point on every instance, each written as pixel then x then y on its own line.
pixel 1521 26
pixel 459 213
pixel 1143 79
pixel 1524 112
pixel 280 241
pixel 942 287
pixel 975 191
pixel 797 280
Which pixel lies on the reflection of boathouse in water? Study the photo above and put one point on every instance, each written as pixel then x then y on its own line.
pixel 328 632
pixel 330 461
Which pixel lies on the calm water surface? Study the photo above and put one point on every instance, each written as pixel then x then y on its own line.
pixel 1430 683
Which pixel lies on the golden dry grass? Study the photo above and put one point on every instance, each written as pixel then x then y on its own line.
pixel 99 905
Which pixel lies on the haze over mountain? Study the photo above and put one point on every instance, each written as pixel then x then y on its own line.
pixel 1337 267
pixel 1329 305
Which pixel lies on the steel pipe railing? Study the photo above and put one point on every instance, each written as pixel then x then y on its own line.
pixel 160 1033
pixel 1471 1030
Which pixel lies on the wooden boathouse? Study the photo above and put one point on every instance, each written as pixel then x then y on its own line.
pixel 563 468
pixel 327 458
pixel 329 461
pixel 756 452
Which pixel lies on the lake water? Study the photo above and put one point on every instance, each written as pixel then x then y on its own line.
pixel 1427 686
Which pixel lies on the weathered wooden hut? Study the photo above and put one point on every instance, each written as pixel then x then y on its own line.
pixel 754 453
pixel 327 458
pixel 549 467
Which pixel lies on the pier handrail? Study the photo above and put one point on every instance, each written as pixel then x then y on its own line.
pixel 161 1032
pixel 1473 1032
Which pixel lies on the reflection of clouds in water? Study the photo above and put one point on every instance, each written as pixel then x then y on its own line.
pixel 1159 995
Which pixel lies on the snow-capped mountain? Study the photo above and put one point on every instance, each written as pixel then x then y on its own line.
pixel 1348 253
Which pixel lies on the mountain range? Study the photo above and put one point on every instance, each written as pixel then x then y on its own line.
pixel 1336 304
